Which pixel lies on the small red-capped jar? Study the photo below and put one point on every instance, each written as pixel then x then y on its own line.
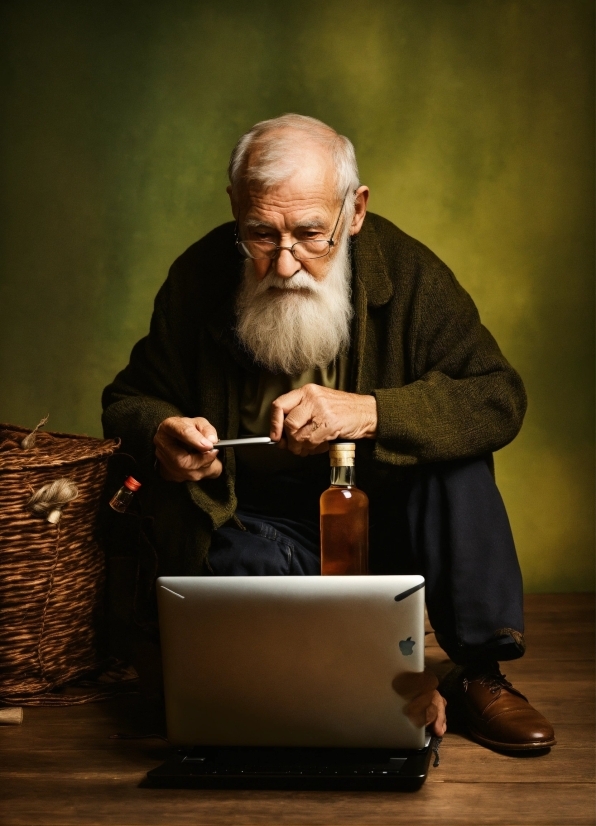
pixel 123 497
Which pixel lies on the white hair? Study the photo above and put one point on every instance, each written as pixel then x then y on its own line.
pixel 301 323
pixel 277 160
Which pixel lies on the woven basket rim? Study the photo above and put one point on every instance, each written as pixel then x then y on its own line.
pixel 97 449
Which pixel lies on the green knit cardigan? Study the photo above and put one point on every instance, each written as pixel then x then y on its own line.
pixel 443 388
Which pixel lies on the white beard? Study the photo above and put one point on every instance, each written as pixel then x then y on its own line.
pixel 305 326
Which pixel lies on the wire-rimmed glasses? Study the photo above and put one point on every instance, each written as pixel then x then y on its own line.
pixel 301 250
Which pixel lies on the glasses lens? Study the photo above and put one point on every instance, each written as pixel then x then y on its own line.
pixel 258 249
pixel 303 250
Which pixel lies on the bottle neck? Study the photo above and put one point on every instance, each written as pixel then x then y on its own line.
pixel 343 476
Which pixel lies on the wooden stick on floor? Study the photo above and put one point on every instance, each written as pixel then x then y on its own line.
pixel 11 716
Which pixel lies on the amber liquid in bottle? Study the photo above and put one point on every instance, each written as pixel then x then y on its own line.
pixel 344 518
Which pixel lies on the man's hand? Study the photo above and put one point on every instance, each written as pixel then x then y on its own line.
pixel 426 706
pixel 184 449
pixel 305 420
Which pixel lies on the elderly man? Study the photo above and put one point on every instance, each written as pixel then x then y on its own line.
pixel 309 320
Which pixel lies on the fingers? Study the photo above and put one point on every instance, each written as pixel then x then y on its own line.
pixel 439 727
pixel 305 416
pixel 314 415
pixel 279 408
pixel 177 465
pixel 410 684
pixel 322 448
pixel 197 433
pixel 420 709
pixel 428 710
pixel 184 449
pixel 426 706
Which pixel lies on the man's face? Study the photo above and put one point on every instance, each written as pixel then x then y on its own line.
pixel 304 207
pixel 294 315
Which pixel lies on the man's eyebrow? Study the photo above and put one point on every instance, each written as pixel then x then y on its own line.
pixel 312 223
pixel 254 223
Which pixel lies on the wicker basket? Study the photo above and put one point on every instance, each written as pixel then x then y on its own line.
pixel 51 587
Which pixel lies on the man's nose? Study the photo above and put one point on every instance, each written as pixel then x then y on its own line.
pixel 285 265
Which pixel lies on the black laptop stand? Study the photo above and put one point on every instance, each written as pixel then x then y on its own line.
pixel 294 768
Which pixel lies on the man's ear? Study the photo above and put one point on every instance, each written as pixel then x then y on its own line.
pixel 360 202
pixel 233 202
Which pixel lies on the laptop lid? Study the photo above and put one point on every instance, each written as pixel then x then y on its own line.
pixel 290 661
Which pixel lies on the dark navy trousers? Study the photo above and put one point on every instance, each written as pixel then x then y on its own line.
pixel 449 524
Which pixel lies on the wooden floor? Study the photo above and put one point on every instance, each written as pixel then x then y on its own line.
pixel 60 767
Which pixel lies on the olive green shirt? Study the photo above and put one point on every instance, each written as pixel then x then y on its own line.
pixel 261 388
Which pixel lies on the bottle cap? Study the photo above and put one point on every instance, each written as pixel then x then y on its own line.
pixel 342 454
pixel 132 484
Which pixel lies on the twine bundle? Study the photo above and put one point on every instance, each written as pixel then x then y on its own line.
pixel 51 589
pixel 49 500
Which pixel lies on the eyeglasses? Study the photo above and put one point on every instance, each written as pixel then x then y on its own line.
pixel 301 250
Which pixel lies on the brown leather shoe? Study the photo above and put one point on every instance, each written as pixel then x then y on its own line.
pixel 497 715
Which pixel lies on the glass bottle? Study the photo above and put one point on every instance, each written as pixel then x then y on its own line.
pixel 344 516
pixel 123 497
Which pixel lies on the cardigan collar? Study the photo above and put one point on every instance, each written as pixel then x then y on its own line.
pixel 370 265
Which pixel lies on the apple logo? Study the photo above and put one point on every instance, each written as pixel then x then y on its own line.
pixel 407 646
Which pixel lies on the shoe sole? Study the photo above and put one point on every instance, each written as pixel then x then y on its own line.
pixel 532 746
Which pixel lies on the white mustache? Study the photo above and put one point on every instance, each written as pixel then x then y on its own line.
pixel 299 281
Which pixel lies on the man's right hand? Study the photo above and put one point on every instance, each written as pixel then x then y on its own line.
pixel 426 707
pixel 184 449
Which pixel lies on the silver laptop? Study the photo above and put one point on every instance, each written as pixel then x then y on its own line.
pixel 290 661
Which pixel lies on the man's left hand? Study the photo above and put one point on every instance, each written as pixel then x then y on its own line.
pixel 307 419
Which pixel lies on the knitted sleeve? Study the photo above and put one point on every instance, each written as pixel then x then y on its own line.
pixel 151 388
pixel 463 398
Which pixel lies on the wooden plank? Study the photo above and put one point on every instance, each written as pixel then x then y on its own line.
pixel 548 648
pixel 559 671
pixel 467 763
pixel 77 762
pixel 471 764
pixel 56 803
pixel 573 603
pixel 563 627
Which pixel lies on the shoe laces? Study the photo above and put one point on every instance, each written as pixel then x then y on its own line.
pixel 494 681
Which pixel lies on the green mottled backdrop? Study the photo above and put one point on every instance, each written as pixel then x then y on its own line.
pixel 472 120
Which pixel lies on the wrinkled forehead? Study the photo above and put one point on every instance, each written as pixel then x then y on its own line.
pixel 290 172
